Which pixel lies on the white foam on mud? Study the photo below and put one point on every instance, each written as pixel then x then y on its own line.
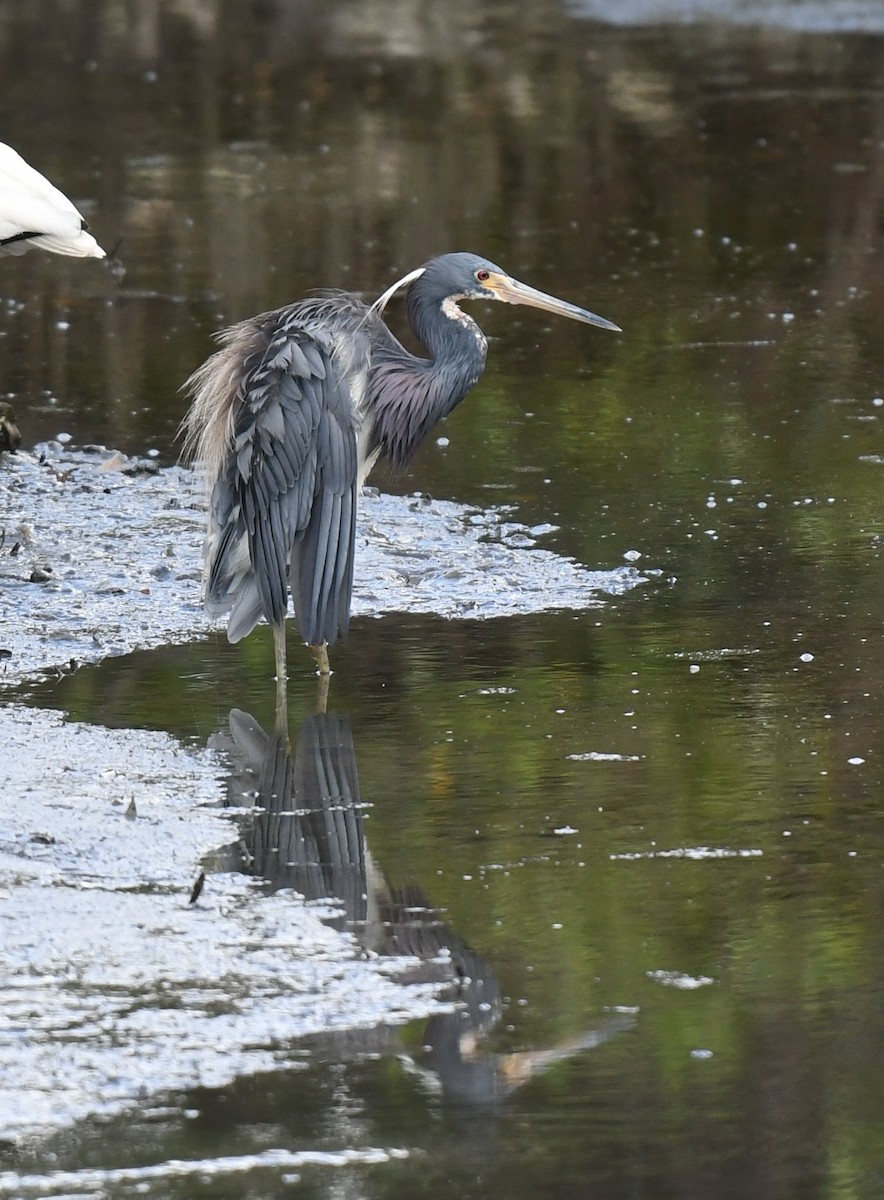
pixel 695 853
pixel 678 979
pixel 96 1181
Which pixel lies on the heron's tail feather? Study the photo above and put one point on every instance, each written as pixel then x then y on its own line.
pixel 207 428
pixel 236 594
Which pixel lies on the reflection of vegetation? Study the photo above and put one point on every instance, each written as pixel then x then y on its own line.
pixel 258 152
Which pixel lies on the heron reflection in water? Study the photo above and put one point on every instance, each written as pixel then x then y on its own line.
pixel 306 835
pixel 292 413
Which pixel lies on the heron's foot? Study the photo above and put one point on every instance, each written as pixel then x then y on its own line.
pixel 320 653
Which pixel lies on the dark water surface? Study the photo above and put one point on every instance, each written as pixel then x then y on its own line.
pixel 653 829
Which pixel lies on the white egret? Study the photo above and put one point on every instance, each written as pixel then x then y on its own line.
pixel 35 213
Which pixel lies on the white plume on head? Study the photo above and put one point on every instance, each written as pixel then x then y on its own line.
pixel 382 301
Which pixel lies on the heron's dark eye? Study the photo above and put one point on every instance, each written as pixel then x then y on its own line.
pixel 483 275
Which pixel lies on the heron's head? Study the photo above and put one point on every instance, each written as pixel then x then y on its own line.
pixel 465 276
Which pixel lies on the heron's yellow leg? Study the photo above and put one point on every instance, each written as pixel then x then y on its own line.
pixel 281 672
pixel 320 653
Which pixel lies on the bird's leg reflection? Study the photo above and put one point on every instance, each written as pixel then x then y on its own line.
pixel 281 724
pixel 307 834
pixel 322 688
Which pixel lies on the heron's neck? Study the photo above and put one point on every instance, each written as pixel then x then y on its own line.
pixel 408 396
pixel 447 331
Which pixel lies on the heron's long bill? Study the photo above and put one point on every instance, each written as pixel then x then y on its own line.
pixel 510 291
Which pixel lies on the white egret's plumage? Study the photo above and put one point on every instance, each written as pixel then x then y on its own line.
pixel 35 213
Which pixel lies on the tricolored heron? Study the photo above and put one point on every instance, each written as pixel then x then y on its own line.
pixel 291 415
pixel 34 213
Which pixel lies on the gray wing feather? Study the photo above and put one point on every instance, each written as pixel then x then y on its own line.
pixel 283 505
pixel 321 577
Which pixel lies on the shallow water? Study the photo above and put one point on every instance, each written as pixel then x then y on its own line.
pixel 650 829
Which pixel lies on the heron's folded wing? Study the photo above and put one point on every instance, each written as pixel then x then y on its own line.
pixel 284 503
